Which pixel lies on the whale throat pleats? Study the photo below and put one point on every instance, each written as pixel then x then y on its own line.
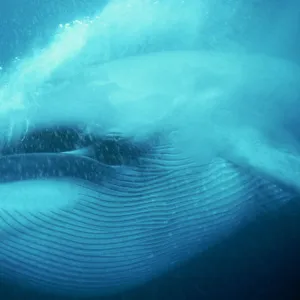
pixel 138 222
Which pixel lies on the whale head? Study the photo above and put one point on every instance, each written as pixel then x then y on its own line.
pixel 92 204
pixel 114 171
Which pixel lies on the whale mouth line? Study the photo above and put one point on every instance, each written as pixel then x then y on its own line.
pixel 36 166
pixel 67 152
pixel 75 140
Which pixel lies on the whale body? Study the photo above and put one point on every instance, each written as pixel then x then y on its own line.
pixel 103 208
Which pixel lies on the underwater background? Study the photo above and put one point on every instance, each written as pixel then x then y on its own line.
pixel 260 262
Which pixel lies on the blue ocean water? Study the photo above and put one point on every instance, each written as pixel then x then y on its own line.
pixel 260 262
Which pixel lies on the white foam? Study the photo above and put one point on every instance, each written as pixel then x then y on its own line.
pixel 211 100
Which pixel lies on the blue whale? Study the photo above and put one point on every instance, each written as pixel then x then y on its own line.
pixel 85 211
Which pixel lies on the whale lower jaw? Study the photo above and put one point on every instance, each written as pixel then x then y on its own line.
pixel 134 225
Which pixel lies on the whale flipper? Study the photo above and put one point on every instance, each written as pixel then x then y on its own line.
pixel 272 161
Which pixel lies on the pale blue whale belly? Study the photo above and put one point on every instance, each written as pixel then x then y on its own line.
pixel 134 224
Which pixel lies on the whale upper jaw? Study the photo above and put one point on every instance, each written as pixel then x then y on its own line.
pixel 234 104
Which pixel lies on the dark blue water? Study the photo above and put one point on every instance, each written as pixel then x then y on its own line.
pixel 260 262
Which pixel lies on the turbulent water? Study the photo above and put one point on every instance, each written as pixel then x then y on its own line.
pixel 225 97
